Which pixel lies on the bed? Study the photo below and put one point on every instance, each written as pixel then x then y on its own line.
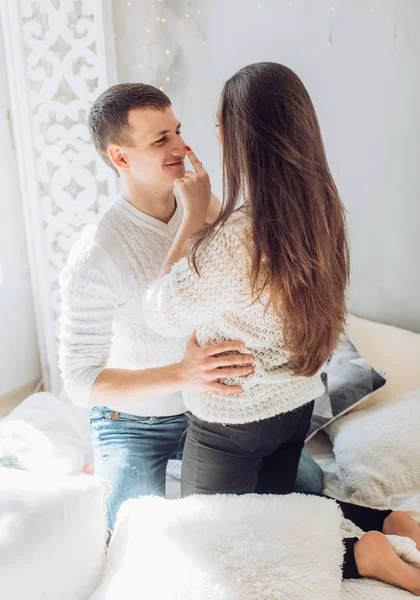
pixel 54 441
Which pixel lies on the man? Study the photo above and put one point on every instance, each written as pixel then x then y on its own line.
pixel 130 377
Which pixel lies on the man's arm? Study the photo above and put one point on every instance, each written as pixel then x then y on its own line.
pixel 199 370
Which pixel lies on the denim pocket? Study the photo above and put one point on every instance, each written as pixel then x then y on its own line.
pixel 114 415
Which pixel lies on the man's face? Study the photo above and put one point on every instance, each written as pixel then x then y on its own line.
pixel 157 151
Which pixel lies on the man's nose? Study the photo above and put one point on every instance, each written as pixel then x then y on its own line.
pixel 178 149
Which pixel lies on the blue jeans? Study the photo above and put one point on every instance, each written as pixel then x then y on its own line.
pixel 133 452
pixel 310 476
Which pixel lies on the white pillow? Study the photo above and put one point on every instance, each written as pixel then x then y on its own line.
pixel 377 449
pixel 47 434
pixel 52 535
pixel 225 547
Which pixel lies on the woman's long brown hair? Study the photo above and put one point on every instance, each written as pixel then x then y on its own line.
pixel 274 158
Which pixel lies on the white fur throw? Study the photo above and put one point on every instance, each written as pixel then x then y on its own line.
pixel 377 449
pixel 225 548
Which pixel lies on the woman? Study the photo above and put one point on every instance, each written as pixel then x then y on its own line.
pixel 271 272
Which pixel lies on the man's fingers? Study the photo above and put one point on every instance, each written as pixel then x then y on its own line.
pixel 232 390
pixel 232 372
pixel 194 160
pixel 225 347
pixel 230 360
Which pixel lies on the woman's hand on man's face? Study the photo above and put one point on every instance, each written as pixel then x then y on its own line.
pixel 194 190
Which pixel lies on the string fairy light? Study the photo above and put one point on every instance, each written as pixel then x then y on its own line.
pixel 375 8
pixel 331 21
pixel 183 13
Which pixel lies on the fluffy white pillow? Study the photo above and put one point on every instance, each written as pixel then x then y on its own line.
pixel 377 449
pixel 225 547
pixel 52 535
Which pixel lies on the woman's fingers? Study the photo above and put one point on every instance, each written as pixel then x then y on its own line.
pixel 197 165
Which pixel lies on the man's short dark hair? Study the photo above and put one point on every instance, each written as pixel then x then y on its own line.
pixel 108 117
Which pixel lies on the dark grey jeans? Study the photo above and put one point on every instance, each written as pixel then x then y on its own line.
pixel 260 457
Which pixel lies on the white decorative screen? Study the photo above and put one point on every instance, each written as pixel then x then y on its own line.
pixel 60 56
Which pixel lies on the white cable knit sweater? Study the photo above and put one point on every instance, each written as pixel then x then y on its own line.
pixel 217 304
pixel 102 324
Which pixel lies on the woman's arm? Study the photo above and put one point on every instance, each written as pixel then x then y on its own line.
pixel 182 300
pixel 199 205
pixel 189 226
pixel 214 209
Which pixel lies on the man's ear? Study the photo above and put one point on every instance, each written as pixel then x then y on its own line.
pixel 117 157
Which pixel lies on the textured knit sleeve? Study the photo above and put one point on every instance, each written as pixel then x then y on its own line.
pixel 89 289
pixel 182 300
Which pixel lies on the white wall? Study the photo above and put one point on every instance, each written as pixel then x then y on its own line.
pixel 19 360
pixel 366 89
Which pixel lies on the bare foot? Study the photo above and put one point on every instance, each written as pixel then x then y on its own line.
pixel 375 558
pixel 402 523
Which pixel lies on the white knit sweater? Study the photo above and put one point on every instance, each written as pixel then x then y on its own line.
pixel 218 305
pixel 102 324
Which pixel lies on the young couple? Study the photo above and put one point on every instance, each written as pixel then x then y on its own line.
pixel 257 286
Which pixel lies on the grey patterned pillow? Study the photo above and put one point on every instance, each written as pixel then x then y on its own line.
pixel 349 379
